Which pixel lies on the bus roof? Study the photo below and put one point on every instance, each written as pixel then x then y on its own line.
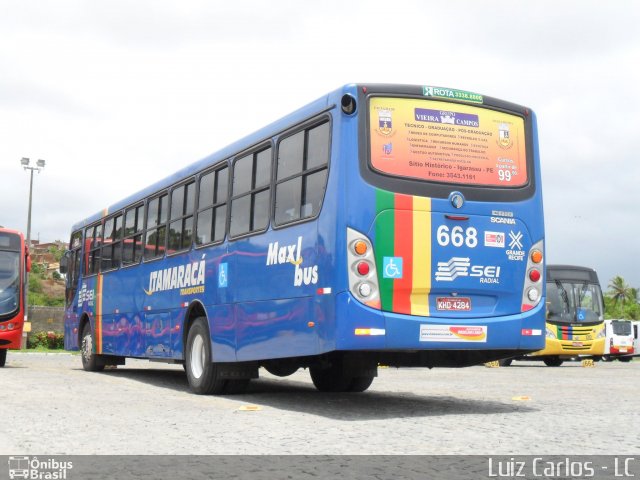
pixel 572 272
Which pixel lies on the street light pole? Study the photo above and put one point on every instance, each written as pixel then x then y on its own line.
pixel 39 166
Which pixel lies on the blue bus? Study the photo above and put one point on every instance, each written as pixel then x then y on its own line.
pixel 380 224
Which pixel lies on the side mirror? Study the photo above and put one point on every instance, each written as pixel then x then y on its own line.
pixel 64 262
pixel 27 261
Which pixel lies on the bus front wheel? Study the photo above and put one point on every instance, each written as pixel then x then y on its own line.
pixel 202 373
pixel 89 357
pixel 3 357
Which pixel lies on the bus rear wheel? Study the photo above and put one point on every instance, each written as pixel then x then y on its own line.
pixel 553 362
pixel 202 373
pixel 3 357
pixel 621 359
pixel 89 357
pixel 336 379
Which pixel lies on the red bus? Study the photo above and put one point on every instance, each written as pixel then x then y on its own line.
pixel 14 265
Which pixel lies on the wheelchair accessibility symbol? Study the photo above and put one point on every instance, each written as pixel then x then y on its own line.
pixel 392 267
pixel 223 278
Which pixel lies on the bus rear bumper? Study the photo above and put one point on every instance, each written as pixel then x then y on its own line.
pixel 364 328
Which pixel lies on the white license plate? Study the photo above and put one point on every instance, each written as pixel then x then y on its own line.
pixel 453 304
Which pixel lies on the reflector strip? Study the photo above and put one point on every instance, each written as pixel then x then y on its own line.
pixel 323 291
pixel 528 332
pixel 370 331
pixel 98 322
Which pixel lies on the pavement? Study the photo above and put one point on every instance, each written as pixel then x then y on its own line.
pixel 51 406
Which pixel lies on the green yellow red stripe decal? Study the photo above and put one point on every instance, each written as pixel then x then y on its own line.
pixel 403 229
pixel 403 248
pixel 421 256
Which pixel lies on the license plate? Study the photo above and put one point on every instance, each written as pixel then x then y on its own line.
pixel 623 350
pixel 577 344
pixel 453 304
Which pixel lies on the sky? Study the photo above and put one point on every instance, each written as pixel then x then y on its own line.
pixel 117 95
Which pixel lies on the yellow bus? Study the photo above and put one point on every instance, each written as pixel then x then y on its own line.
pixel 574 316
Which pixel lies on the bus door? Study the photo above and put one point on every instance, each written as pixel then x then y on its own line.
pixel 70 265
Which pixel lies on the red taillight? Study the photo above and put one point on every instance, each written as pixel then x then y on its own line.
pixel 363 268
pixel 534 275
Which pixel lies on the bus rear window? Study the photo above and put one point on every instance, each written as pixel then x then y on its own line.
pixel 445 142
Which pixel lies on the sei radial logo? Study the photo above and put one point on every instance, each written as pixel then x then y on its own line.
pixel 35 469
pixel 461 267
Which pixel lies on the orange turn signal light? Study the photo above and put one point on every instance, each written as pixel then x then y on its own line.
pixel 536 256
pixel 360 247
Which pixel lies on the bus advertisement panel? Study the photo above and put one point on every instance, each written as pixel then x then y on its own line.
pixel 380 224
pixel 14 264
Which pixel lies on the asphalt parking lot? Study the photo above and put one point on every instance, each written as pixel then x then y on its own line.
pixel 146 408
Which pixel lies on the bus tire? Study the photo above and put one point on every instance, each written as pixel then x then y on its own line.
pixel 360 384
pixel 505 362
pixel 622 359
pixel 202 373
pixel 335 379
pixel 89 357
pixel 553 362
pixel 3 357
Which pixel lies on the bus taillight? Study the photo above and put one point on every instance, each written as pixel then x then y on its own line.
pixel 532 291
pixel 363 278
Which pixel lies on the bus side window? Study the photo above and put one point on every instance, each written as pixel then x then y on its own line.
pixel 301 177
pixel 133 227
pixel 155 238
pixel 93 238
pixel 181 221
pixel 212 206
pixel 111 248
pixel 250 193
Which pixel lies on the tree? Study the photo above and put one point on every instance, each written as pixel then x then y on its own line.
pixel 621 293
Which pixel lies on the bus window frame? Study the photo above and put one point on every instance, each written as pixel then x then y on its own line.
pixel 183 183
pixel 142 232
pixel 222 164
pixel 309 124
pixel 255 149
pixel 87 251
pixel 147 200
pixel 112 216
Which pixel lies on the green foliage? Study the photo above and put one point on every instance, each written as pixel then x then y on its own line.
pixel 38 269
pixel 56 252
pixel 621 300
pixel 37 296
pixel 44 300
pixel 50 340
pixel 35 283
